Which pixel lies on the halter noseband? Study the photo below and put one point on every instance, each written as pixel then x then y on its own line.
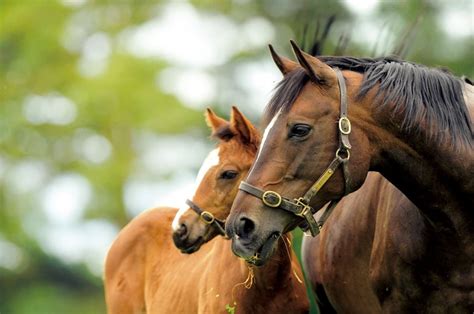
pixel 207 217
pixel 300 206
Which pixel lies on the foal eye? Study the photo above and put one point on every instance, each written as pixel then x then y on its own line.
pixel 299 131
pixel 228 175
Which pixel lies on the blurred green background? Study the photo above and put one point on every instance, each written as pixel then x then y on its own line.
pixel 101 112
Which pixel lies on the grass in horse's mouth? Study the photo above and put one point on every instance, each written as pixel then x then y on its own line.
pixel 262 254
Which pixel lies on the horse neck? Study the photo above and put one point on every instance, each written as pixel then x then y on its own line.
pixel 277 273
pixel 279 268
pixel 275 286
pixel 433 175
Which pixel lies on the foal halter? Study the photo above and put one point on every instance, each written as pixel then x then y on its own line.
pixel 300 206
pixel 207 217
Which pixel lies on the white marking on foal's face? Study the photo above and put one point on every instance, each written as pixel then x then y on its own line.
pixel 265 135
pixel 211 160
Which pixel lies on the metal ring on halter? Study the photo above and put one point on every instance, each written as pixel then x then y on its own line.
pixel 271 199
pixel 341 157
pixel 345 125
pixel 207 217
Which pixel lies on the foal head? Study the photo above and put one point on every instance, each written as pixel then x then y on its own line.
pixel 217 181
pixel 301 140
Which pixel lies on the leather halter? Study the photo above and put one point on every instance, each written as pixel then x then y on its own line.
pixel 207 217
pixel 300 206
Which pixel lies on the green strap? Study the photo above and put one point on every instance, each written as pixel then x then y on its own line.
pixel 314 189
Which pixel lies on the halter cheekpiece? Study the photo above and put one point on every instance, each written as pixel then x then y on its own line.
pixel 300 206
pixel 207 217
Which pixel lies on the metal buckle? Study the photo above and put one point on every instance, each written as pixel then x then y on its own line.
pixel 304 211
pixel 271 199
pixel 345 125
pixel 207 217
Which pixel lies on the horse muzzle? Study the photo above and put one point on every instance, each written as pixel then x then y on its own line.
pixel 255 255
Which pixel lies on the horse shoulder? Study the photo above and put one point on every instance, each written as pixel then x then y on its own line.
pixel 126 262
pixel 338 259
pixel 400 242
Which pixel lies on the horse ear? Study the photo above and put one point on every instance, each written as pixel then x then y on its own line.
pixel 284 64
pixel 243 127
pixel 220 128
pixel 318 71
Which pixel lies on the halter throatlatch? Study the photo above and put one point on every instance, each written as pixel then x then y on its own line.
pixel 207 217
pixel 300 206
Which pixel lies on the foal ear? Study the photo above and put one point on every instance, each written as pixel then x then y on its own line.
pixel 241 126
pixel 220 128
pixel 318 71
pixel 284 64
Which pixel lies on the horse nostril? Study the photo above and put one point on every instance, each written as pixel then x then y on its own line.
pixel 182 231
pixel 246 227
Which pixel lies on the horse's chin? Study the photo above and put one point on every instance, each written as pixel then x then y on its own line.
pixel 259 256
pixel 193 247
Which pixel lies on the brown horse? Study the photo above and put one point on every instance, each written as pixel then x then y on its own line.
pixel 145 272
pixel 373 236
pixel 406 121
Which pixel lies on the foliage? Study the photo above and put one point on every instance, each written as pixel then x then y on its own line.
pixel 117 99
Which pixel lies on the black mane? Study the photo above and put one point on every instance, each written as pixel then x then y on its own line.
pixel 422 96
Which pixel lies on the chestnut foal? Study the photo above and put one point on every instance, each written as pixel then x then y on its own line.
pixel 145 273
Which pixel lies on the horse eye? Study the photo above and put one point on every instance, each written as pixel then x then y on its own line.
pixel 299 131
pixel 228 175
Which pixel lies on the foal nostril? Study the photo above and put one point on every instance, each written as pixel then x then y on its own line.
pixel 182 231
pixel 246 227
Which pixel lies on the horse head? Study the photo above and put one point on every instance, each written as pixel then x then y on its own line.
pixel 217 182
pixel 303 161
